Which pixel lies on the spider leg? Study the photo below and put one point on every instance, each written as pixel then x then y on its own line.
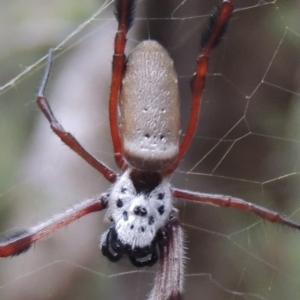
pixel 170 274
pixel 210 38
pixel 228 201
pixel 124 12
pixel 65 136
pixel 21 241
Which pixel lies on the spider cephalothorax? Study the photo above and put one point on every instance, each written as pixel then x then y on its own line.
pixel 139 205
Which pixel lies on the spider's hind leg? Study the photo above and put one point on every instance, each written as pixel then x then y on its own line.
pixel 212 35
pixel 65 136
pixel 124 12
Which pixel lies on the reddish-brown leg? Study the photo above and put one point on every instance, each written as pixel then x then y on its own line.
pixel 124 15
pixel 21 241
pixel 215 29
pixel 228 201
pixel 170 273
pixel 65 136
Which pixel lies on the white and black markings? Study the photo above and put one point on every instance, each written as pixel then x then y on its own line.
pixel 138 212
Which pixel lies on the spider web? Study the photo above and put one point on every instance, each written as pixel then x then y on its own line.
pixel 246 145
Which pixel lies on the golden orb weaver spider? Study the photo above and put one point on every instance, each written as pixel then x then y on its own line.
pixel 142 175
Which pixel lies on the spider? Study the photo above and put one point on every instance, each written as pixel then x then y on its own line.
pixel 144 124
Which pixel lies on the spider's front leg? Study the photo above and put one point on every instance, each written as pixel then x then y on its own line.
pixel 170 274
pixel 19 242
pixel 237 203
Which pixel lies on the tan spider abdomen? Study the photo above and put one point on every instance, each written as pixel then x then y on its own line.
pixel 149 108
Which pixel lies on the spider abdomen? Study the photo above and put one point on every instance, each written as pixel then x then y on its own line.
pixel 149 108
